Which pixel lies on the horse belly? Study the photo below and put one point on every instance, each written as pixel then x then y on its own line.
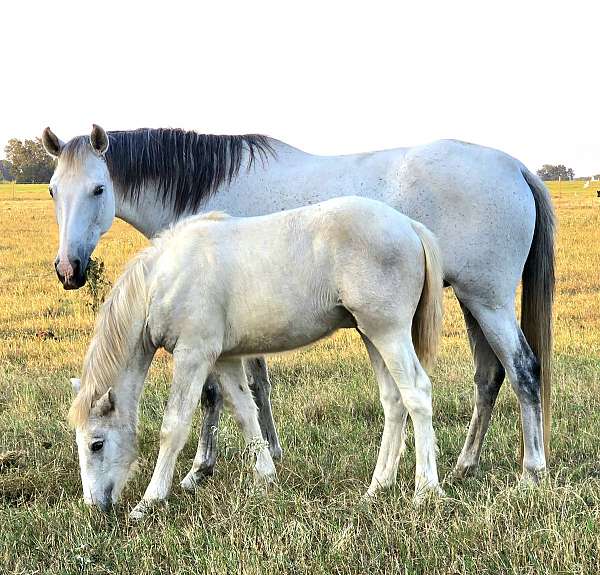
pixel 270 331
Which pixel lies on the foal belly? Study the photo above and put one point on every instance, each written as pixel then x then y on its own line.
pixel 258 336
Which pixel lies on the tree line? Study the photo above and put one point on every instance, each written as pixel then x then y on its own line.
pixel 26 162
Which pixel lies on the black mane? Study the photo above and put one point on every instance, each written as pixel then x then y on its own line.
pixel 185 167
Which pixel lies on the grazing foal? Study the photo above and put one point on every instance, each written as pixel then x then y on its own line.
pixel 215 289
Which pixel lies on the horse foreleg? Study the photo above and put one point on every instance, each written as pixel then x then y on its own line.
pixel 190 372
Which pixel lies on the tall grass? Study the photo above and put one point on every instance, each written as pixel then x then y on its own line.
pixel 327 409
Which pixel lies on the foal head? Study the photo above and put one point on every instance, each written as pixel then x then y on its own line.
pixel 84 201
pixel 107 447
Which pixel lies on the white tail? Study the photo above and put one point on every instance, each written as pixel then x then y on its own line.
pixel 427 322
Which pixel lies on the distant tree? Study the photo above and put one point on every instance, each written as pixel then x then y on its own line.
pixel 5 170
pixel 29 161
pixel 550 172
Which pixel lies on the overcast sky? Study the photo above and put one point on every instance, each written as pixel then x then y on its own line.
pixel 327 77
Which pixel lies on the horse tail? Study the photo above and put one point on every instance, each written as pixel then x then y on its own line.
pixel 427 321
pixel 538 294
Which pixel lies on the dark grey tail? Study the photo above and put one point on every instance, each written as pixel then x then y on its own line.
pixel 538 294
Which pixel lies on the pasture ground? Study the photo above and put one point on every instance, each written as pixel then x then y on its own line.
pixel 326 405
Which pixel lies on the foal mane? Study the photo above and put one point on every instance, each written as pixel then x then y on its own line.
pixel 186 168
pixel 116 331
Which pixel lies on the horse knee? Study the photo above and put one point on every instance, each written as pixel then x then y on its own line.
pixel 393 406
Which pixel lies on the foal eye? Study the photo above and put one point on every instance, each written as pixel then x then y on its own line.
pixel 98 190
pixel 51 191
pixel 97 446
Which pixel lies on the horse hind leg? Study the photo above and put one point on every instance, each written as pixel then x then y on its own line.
pixel 489 376
pixel 393 441
pixel 238 398
pixel 260 385
pixel 504 336
pixel 203 466
pixel 414 386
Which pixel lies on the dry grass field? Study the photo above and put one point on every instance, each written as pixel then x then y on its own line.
pixel 330 420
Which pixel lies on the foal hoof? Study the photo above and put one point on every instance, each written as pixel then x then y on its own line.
pixel 532 477
pixel 189 482
pixel 429 493
pixel 139 511
pixel 143 509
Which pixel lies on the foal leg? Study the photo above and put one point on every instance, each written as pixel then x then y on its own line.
pixel 190 371
pixel 206 454
pixel 238 398
pixel 258 378
pixel 212 405
pixel 489 375
pixel 414 385
pixel 394 429
pixel 504 335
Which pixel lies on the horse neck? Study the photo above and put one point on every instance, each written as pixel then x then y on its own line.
pixel 150 216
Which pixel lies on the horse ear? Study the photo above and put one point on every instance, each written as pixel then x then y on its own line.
pixel 105 404
pixel 99 140
pixel 75 384
pixel 51 143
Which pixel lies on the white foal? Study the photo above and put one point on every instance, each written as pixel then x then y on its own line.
pixel 215 289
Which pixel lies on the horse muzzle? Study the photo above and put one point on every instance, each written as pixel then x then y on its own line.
pixel 70 273
pixel 105 502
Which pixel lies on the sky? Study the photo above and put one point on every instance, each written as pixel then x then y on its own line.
pixel 328 77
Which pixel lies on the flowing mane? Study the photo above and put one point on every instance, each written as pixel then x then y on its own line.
pixel 185 167
pixel 113 338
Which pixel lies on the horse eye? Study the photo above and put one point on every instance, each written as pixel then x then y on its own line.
pixel 97 446
pixel 98 190
pixel 51 191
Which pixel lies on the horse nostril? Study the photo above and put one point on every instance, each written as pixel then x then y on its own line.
pixel 75 265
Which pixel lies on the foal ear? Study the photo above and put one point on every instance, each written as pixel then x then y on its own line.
pixel 105 404
pixel 75 384
pixel 51 143
pixel 99 140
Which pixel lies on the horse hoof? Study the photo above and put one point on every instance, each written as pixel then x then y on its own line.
pixel 143 508
pixel 532 476
pixel 276 452
pixel 462 471
pixel 189 482
pixel 139 511
pixel 194 479
pixel 429 493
